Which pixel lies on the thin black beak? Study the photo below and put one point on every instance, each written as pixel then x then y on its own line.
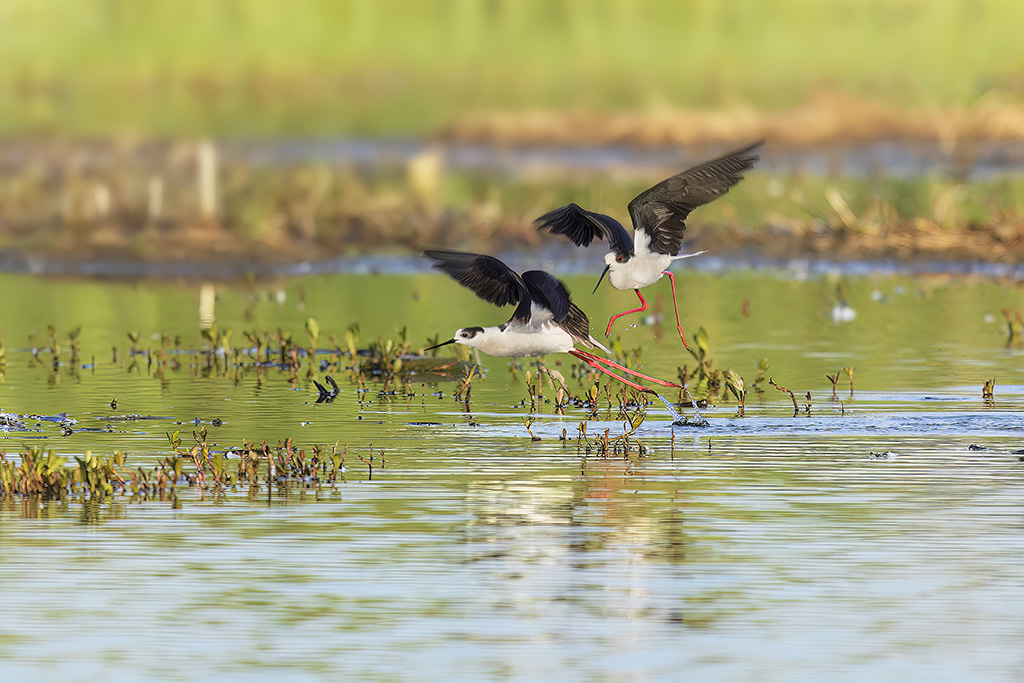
pixel 437 346
pixel 603 273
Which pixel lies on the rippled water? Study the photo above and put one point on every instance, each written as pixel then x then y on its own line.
pixel 874 536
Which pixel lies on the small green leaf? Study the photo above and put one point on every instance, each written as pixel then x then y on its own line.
pixel 701 340
pixel 313 327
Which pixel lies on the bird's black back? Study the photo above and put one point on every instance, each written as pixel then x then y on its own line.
pixel 548 291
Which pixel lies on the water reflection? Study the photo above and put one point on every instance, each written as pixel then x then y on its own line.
pixel 769 545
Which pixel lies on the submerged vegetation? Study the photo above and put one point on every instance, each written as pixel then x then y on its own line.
pixel 348 381
pixel 45 474
pixel 35 472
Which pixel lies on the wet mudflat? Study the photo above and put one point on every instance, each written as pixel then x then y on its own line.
pixel 872 531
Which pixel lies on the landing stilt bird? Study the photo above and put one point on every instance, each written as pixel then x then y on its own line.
pixel 659 221
pixel 544 321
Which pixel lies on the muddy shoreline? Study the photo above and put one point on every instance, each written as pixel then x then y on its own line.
pixel 729 250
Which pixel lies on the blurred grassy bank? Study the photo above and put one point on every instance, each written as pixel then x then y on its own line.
pixel 386 67
pixel 179 203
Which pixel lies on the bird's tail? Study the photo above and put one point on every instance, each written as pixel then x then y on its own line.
pixel 682 256
pixel 600 346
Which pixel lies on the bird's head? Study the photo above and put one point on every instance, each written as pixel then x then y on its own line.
pixel 614 258
pixel 611 260
pixel 468 336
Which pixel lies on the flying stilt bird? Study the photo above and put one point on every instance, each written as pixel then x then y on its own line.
pixel 544 321
pixel 659 221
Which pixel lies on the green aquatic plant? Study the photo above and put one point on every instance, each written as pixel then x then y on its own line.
pixel 849 373
pixel 604 444
pixel 133 337
pixel 734 384
pixel 762 374
pixel 369 459
pixel 703 380
pixel 48 475
pixel 313 330
pixel 286 349
pixel 528 421
pixel 556 380
pixel 35 472
pixel 51 340
pixel 834 379
pixel 218 340
pixel 796 408
pixel 469 373
pixel 38 473
pixel 352 339
pixel 1014 325
pixel 989 388
pixel 385 357
pixel 259 341
pixel 73 343
pixel 535 388
pixel 558 387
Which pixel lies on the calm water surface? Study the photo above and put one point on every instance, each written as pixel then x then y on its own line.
pixel 864 539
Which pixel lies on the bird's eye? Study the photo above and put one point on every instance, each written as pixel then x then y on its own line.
pixel 618 258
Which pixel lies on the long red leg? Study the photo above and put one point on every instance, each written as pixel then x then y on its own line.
pixel 675 305
pixel 612 363
pixel 643 307
pixel 593 363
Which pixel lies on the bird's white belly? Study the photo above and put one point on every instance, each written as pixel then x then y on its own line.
pixel 638 272
pixel 528 341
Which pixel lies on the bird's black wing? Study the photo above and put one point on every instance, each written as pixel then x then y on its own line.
pixel 582 226
pixel 661 211
pixel 548 291
pixel 489 278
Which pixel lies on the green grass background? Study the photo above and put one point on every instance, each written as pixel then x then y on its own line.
pixel 369 67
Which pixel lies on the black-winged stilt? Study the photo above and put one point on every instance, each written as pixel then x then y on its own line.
pixel 659 220
pixel 545 319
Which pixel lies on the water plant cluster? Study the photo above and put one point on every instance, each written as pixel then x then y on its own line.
pixel 256 463
pixel 387 368
pixel 45 474
pixel 605 444
pixel 378 370
pixel 393 361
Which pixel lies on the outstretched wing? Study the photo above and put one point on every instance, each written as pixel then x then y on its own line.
pixel 489 278
pixel 582 226
pixel 661 211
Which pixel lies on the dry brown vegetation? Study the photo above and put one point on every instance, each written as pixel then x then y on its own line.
pixel 829 117
pixel 79 201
